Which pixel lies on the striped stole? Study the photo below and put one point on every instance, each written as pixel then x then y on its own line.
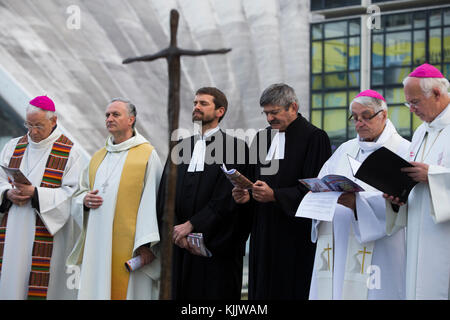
pixel 43 240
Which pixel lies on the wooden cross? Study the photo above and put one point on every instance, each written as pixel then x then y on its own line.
pixel 172 54
pixel 364 252
pixel 327 249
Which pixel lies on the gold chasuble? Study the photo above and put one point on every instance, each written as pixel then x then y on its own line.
pixel 127 205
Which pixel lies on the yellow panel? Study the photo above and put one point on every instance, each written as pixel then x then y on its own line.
pixel 336 80
pixel 447 44
pixel 352 95
pixel 435 46
pixel 377 50
pixel 335 55
pixel 353 54
pixel 395 96
pixel 336 99
pixel 316 57
pixel 316 101
pixel 398 48
pixel 316 118
pixel 353 79
pixel 335 122
pixel 419 47
pixel 316 82
pixel 400 117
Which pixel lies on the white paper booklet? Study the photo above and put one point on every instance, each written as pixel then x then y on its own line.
pixel 318 205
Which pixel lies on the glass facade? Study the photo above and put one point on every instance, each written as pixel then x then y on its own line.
pixel 11 125
pixel 404 41
pixel 330 4
pixel 335 75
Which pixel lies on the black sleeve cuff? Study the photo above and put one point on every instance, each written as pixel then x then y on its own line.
pixel 6 204
pixel 35 200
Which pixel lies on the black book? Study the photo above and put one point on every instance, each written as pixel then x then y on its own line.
pixel 381 170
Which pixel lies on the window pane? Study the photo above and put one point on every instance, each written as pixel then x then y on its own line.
pixel 447 17
pixel 335 55
pixel 396 75
pixel 398 49
pixel 342 3
pixel 419 47
pixel 336 99
pixel 336 80
pixel 377 50
pixel 336 29
pixel 355 27
pixel 351 96
pixel 435 46
pixel 335 123
pixel 316 52
pixel 420 20
pixel 317 31
pixel 377 77
pixel 316 4
pixel 447 46
pixel 316 118
pixel 435 18
pixel 395 96
pixel 353 55
pixel 398 22
pixel 353 79
pixel 446 70
pixel 351 130
pixel 400 117
pixel 316 101
pixel 316 82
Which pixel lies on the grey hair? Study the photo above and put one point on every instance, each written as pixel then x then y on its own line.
pixel 130 107
pixel 33 109
pixel 370 102
pixel 428 84
pixel 278 94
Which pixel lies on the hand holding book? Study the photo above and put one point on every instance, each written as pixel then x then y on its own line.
pixel 237 179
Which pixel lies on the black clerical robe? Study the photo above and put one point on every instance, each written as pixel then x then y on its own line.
pixel 281 252
pixel 204 198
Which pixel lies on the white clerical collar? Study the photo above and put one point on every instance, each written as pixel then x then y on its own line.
pixel 133 141
pixel 197 163
pixel 276 151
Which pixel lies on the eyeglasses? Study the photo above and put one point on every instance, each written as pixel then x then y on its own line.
pixel 411 104
pixel 363 118
pixel 31 127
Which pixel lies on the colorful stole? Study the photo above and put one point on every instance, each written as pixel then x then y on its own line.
pixel 125 215
pixel 43 240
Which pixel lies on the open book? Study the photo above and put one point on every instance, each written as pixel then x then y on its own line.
pixel 237 179
pixel 331 182
pixel 381 170
pixel 14 174
pixel 197 245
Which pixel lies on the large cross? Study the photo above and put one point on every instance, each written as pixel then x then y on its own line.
pixel 364 252
pixel 327 249
pixel 172 54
